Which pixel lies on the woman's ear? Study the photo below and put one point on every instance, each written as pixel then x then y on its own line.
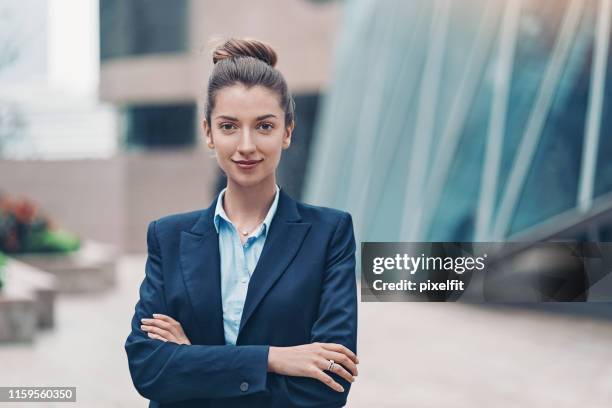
pixel 287 135
pixel 208 134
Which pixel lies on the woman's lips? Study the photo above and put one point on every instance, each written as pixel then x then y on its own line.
pixel 247 164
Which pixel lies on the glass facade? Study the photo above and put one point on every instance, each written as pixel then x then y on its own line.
pixel 471 120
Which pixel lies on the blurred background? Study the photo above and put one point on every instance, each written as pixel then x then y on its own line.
pixel 427 120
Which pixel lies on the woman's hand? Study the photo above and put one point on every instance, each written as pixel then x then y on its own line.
pixel 164 328
pixel 312 360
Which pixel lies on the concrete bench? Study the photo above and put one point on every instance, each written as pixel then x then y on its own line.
pixel 18 315
pixel 90 269
pixel 41 284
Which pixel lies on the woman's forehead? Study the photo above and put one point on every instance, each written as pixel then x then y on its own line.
pixel 246 103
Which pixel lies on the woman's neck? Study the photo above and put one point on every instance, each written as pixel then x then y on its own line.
pixel 248 204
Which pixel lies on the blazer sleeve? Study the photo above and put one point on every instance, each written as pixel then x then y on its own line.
pixel 168 372
pixel 336 322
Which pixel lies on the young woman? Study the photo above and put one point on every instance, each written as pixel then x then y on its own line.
pixel 251 302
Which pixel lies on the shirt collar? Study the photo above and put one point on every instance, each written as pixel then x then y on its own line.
pixel 220 212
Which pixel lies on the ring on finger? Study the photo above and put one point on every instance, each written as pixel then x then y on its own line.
pixel 331 365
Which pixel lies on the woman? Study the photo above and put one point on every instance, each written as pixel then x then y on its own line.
pixel 251 302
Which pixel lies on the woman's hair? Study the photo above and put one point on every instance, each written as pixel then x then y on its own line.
pixel 248 62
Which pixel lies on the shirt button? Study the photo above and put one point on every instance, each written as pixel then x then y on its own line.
pixel 244 387
pixel 244 280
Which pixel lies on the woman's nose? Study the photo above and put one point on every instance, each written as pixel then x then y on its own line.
pixel 246 144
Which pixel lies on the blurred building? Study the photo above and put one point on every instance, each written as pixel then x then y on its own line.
pixel 58 144
pixel 112 140
pixel 48 77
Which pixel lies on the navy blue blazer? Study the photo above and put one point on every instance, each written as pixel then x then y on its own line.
pixel 302 290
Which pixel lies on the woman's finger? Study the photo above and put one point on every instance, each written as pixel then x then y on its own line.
pixel 158 323
pixel 339 348
pixel 155 336
pixel 327 380
pixel 164 318
pixel 167 323
pixel 161 332
pixel 336 369
pixel 342 359
pixel 341 371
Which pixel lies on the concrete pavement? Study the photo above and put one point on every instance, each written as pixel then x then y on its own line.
pixel 412 354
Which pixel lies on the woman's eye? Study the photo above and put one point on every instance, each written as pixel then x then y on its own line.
pixel 266 126
pixel 226 126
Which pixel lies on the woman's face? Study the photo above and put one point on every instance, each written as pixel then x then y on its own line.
pixel 248 133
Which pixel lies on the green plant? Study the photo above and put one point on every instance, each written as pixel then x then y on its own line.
pixel 23 229
pixel 2 266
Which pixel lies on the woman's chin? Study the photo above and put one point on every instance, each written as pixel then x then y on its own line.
pixel 247 180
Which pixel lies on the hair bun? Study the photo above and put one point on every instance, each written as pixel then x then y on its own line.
pixel 245 47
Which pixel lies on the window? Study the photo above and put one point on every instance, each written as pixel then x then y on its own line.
pixel 153 126
pixel 140 27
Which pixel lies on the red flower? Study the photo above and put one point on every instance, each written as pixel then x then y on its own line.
pixel 24 211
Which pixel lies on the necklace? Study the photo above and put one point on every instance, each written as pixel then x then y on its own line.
pixel 247 232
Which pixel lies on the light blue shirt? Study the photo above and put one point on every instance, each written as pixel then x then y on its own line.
pixel 238 262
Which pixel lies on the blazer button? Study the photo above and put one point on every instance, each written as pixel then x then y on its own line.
pixel 244 387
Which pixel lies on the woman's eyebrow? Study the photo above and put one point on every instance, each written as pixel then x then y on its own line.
pixel 262 117
pixel 227 117
pixel 269 115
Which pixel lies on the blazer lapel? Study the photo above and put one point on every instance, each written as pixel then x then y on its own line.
pixel 201 268
pixel 283 241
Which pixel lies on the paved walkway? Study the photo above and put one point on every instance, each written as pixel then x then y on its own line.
pixel 412 354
